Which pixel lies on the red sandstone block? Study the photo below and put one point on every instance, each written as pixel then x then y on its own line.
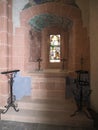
pixel 3 78
pixel 18 63
pixel 19 40
pixel 48 94
pixel 60 86
pixel 18 51
pixel 20 31
pixel 10 10
pixel 34 94
pixel 3 23
pixel 10 52
pixel 50 86
pixel 3 100
pixel 2 50
pixel 3 8
pixel 10 39
pixel 10 26
pixel 4 61
pixel 4 88
pixel 40 93
pixel 30 66
pixel 35 86
pixel 3 36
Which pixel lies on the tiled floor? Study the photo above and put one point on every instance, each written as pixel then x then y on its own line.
pixel 10 125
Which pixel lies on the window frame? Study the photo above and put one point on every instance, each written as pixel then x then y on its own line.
pixel 55 47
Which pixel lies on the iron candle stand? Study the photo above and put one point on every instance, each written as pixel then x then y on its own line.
pixel 82 92
pixel 11 100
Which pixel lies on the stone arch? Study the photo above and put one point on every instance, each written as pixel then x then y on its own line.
pixel 42 21
pixel 68 11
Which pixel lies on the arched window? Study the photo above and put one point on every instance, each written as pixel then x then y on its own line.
pixel 54 55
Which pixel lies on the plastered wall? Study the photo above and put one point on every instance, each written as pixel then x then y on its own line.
pixel 17 6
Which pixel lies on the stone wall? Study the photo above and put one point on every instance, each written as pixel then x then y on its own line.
pixel 47 85
pixel 5 46
pixel 94 52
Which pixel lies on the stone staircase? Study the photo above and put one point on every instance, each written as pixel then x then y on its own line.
pixel 47 111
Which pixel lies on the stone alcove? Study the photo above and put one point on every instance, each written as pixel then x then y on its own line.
pixel 43 26
pixel 75 42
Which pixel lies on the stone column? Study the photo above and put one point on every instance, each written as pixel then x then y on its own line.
pixel 5 46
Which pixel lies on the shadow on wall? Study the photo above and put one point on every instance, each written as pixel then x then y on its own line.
pixel 69 87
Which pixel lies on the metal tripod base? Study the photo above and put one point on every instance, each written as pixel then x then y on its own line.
pixel 8 106
pixel 82 111
pixel 11 103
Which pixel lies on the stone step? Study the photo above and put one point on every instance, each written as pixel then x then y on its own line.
pixel 48 117
pixel 52 105
pixel 48 94
pixel 47 111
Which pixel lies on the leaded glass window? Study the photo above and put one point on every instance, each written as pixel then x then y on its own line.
pixel 54 55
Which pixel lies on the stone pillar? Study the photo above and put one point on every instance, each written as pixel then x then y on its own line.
pixel 81 48
pixel 5 46
pixel 10 32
